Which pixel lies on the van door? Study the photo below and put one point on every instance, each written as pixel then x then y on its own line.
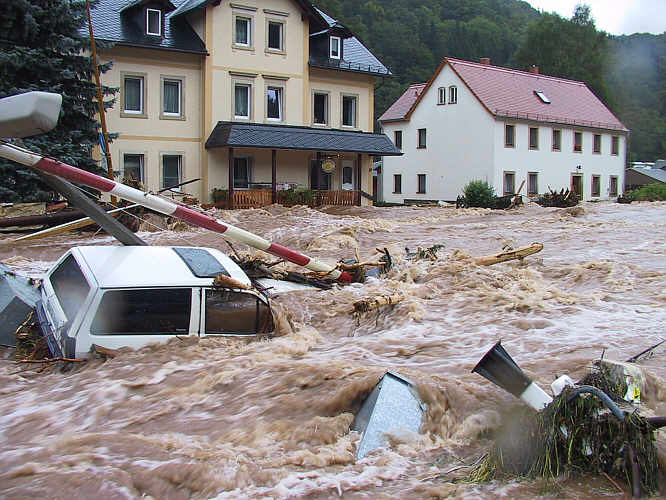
pixel 230 312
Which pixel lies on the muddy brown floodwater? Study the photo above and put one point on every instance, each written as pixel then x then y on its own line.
pixel 224 418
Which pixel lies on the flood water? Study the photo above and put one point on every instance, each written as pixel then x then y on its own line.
pixel 226 418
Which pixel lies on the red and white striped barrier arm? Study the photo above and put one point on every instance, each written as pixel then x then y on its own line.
pixel 166 207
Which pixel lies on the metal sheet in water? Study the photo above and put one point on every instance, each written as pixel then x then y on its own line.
pixel 17 299
pixel 392 404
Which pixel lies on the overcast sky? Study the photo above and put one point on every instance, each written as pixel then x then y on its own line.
pixel 617 17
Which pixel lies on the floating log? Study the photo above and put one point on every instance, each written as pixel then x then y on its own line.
pixel 70 226
pixel 41 220
pixel 518 253
pixel 371 303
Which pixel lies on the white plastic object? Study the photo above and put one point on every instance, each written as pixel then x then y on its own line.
pixel 558 385
pixel 28 114
pixel 536 397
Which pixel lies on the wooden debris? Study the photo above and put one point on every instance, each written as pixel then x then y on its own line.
pixel 429 253
pixel 563 199
pixel 371 303
pixel 69 226
pixel 519 253
pixel 223 281
pixel 105 352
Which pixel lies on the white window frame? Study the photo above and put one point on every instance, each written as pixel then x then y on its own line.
pixel 342 110
pixel 282 24
pixel 331 53
pixel 181 157
pixel 453 94
pixel 249 99
pixel 141 112
pixel 441 95
pixel 327 108
pixel 250 22
pixel 164 79
pixel 280 88
pixel 142 167
pixel 159 24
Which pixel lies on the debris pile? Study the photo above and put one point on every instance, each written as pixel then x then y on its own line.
pixel 588 427
pixel 576 434
pixel 565 198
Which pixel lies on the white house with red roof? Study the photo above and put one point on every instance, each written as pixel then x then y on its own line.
pixel 475 121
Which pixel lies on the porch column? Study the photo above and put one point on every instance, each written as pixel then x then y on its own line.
pixel 274 176
pixel 359 171
pixel 318 171
pixel 231 179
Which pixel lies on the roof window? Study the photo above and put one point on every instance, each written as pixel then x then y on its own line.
pixel 201 262
pixel 542 96
pixel 154 22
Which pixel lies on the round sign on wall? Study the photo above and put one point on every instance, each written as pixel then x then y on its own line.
pixel 328 166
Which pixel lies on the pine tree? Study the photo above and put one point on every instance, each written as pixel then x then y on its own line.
pixel 41 48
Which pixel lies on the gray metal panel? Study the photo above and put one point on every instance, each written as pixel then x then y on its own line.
pixel 17 299
pixel 392 405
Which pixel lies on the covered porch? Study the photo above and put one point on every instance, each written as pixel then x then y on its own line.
pixel 254 165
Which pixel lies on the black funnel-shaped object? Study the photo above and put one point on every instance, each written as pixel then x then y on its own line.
pixel 498 367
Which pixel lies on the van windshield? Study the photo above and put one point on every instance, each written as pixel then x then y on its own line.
pixel 70 286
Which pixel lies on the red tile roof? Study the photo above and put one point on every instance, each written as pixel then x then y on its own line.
pixel 511 93
pixel 401 107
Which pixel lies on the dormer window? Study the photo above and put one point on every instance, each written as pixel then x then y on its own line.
pixel 154 22
pixel 335 47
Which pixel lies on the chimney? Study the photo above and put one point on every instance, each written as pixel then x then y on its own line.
pixel 485 60
pixel 534 69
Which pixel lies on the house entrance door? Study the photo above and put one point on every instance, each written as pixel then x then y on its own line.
pixel 577 185
pixel 319 180
pixel 347 175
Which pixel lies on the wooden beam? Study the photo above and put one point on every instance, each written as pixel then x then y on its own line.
pixel 359 171
pixel 230 201
pixel 274 176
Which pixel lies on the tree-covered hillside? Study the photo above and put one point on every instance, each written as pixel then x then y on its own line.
pixel 412 36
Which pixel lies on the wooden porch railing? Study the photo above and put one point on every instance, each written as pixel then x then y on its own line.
pixel 257 198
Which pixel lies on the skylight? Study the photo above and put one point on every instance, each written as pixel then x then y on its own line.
pixel 542 96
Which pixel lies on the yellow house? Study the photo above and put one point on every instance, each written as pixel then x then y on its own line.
pixel 251 97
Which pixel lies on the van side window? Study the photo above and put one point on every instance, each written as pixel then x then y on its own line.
pixel 70 286
pixel 229 312
pixel 144 312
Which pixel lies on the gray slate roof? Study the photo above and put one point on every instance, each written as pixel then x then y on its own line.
pixel 116 21
pixel 255 135
pixel 357 57
pixel 657 174
pixel 128 29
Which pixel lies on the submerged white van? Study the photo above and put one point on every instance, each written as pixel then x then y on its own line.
pixel 135 295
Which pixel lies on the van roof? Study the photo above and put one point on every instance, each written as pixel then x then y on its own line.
pixel 151 266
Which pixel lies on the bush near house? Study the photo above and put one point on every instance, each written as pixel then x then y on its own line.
pixel 479 194
pixel 650 192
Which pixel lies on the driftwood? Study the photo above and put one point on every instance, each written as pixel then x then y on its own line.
pixel 69 226
pixel 223 281
pixel 365 305
pixel 105 351
pixel 518 253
